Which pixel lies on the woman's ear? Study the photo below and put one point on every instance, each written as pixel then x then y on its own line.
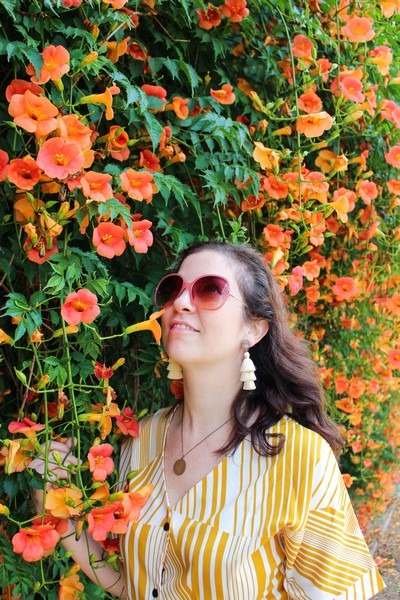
pixel 257 330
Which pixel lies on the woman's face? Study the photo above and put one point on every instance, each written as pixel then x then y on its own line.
pixel 197 336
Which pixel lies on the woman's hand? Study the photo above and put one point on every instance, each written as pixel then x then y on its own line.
pixel 61 460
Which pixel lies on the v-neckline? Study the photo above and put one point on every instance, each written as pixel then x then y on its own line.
pixel 194 486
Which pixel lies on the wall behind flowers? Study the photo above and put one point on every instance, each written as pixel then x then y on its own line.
pixel 130 129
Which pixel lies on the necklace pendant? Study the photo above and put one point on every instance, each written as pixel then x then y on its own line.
pixel 179 466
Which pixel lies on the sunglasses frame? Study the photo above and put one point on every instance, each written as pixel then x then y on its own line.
pixel 188 285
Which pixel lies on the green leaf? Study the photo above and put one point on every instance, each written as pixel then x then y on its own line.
pixel 153 127
pixel 191 74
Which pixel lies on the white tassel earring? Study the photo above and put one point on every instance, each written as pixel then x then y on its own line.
pixel 174 370
pixel 247 369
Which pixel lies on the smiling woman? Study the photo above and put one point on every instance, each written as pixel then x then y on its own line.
pixel 244 480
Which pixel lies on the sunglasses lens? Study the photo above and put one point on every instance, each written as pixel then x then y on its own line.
pixel 168 290
pixel 210 292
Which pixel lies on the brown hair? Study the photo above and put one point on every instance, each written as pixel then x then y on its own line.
pixel 287 382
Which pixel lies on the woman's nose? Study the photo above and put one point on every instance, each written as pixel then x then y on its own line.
pixel 184 302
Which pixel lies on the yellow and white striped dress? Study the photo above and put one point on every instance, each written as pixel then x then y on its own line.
pixel 254 528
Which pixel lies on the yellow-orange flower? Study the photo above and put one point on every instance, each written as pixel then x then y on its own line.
pixel 268 158
pixel 64 502
pixel 328 161
pixel 105 98
pixel 382 57
pixel 72 129
pixel 116 49
pixel 70 585
pixel 179 106
pixel 150 325
pixel 314 124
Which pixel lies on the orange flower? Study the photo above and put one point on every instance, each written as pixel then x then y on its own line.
pixel 235 10
pixel 382 57
pixel 24 172
pixel 137 184
pixel 140 236
pixel 26 426
pixel 108 240
pixel 275 189
pixel 70 585
pixel 179 106
pixel 224 95
pixel 116 49
pixel 351 88
pixel 150 325
pixel 60 159
pixel 393 156
pixel 394 358
pixel 314 124
pixel 310 102
pixel 3 165
pixel 128 423
pixel 137 52
pixel 356 387
pixel 268 158
pixel 302 48
pixel 100 463
pixel 329 162
pixel 41 248
pixel 346 405
pixel 345 288
pixel 101 522
pixel 211 18
pixel 358 29
pixel 148 160
pixel 33 113
pixel 5 338
pixel 155 90
pixel 55 65
pixel 117 143
pixel 253 202
pixel 394 186
pixel 72 129
pixel 350 195
pixel 295 280
pixel 103 415
pixel 96 186
pixel 348 480
pixel 311 270
pixel 35 542
pixel 393 304
pixel 19 86
pixel 274 235
pixel 322 69
pixel 367 190
pixel 116 3
pixel 105 98
pixel 65 502
pixel 16 456
pixel 389 7
pixel 80 306
pixel 312 292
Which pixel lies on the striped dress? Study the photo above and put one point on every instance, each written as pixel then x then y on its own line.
pixel 254 528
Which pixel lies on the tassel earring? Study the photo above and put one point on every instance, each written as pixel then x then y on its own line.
pixel 174 370
pixel 247 369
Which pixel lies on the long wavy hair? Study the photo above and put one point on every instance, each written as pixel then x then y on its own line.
pixel 287 381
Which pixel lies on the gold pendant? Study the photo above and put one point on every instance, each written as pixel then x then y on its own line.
pixel 179 466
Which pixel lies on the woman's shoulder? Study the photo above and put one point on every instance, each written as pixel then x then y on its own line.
pixel 301 443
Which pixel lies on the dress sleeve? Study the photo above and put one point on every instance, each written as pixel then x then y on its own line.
pixel 327 558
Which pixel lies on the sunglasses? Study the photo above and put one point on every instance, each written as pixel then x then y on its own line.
pixel 208 292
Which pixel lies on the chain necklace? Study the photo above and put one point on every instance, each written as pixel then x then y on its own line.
pixel 179 466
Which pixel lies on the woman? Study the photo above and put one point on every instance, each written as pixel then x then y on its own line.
pixel 248 501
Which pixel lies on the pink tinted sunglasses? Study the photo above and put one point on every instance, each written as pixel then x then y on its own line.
pixel 208 292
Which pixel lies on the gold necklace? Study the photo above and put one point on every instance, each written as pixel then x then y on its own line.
pixel 179 466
